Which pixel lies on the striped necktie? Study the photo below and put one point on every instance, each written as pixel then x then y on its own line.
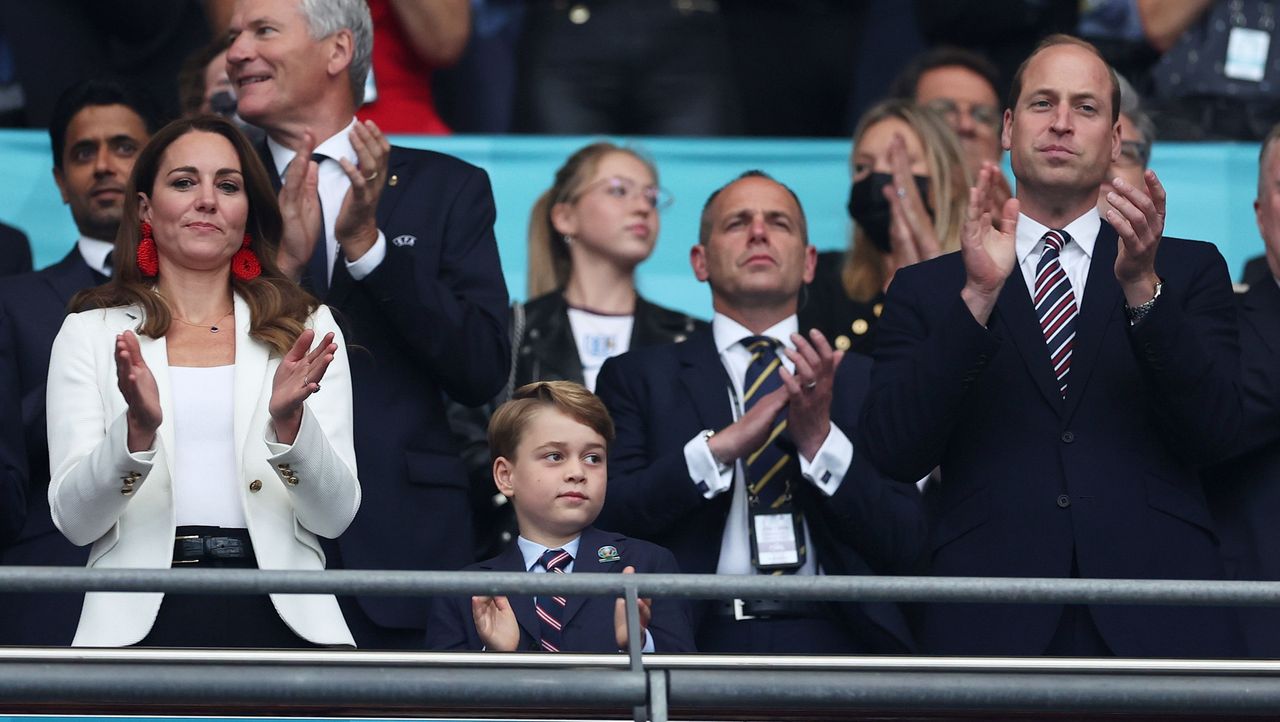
pixel 771 468
pixel 551 609
pixel 1056 306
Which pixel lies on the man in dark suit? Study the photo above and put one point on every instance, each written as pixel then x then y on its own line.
pixel 1243 493
pixel 1068 375
pixel 405 253
pixel 13 461
pixel 733 447
pixel 15 251
pixel 98 128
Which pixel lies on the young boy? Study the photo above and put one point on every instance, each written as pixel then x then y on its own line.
pixel 549 445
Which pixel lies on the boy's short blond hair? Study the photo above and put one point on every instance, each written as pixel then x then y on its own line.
pixel 571 399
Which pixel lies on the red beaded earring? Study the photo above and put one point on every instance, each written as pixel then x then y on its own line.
pixel 245 263
pixel 148 261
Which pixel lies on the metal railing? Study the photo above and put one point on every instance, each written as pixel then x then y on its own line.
pixel 650 684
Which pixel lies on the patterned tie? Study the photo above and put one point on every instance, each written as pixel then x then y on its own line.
pixel 1056 306
pixel 549 610
pixel 770 468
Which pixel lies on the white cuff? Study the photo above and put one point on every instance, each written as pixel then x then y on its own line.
pixel 704 469
pixel 366 264
pixel 826 470
pixel 648 643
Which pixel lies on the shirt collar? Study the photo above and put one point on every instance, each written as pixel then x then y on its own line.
pixel 335 146
pixel 533 551
pixel 94 252
pixel 728 332
pixel 1083 230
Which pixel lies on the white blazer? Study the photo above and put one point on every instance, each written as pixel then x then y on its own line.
pixel 289 493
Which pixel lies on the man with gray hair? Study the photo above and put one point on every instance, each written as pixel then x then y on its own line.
pixel 401 243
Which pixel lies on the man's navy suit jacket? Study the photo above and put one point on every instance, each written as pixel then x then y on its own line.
pixel 662 396
pixel 588 621
pixel 1244 492
pixel 1101 484
pixel 430 320
pixel 33 306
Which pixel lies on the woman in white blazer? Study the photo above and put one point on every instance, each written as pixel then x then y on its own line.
pixel 187 427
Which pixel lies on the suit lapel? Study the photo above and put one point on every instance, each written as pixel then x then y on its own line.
pixel 705 380
pixel 1019 318
pixel 511 560
pixel 71 276
pixel 252 358
pixel 1102 294
pixel 1262 311
pixel 589 562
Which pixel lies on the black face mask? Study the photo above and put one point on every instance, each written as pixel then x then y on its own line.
pixel 870 209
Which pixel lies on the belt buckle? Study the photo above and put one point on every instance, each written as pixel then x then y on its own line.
pixel 739 611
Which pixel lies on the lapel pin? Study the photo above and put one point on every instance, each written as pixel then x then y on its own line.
pixel 608 553
pixel 394 179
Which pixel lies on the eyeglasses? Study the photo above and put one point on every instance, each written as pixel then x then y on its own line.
pixel 1134 154
pixel 987 115
pixel 627 190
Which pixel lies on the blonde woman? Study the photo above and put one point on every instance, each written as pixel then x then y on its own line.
pixel 907 202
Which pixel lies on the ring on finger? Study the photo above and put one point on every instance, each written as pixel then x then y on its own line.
pixel 902 192
pixel 811 386
pixel 371 177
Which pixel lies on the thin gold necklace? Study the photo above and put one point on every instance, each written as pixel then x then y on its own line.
pixel 213 327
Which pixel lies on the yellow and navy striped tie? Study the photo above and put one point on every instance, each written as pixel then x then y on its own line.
pixel 771 468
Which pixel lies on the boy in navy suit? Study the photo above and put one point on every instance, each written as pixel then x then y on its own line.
pixel 549 444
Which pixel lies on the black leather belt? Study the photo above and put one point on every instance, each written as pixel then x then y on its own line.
pixel 768 609
pixel 212 545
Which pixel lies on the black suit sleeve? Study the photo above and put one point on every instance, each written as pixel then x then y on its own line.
pixel 450 625
pixel 921 378
pixel 1189 352
pixel 649 492
pixel 13 464
pixel 453 319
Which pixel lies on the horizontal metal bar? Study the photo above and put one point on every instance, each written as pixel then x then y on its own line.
pixel 967 692
pixel 711 586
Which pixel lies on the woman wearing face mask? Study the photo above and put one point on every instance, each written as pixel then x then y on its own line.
pixel 907 202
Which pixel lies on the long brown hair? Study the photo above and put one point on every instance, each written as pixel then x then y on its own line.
pixel 863 275
pixel 278 307
pixel 549 263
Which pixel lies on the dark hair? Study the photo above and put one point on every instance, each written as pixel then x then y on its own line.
pixel 509 421
pixel 278 306
pixel 98 91
pixel 704 225
pixel 943 56
pixel 191 87
pixel 1055 40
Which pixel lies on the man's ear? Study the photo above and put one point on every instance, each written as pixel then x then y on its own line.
pixel 698 260
pixel 1006 134
pixel 502 468
pixel 341 52
pixel 59 180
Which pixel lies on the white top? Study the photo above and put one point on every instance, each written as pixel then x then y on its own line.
pixel 825 470
pixel 599 337
pixel 334 185
pixel 205 484
pixel 1074 256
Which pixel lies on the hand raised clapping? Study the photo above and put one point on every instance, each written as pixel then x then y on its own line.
pixel 297 377
pixel 989 249
pixel 140 392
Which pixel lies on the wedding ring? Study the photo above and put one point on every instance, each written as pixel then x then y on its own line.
pixel 902 192
pixel 371 177
pixel 811 386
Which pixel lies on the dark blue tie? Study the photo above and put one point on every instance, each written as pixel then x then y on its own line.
pixel 317 273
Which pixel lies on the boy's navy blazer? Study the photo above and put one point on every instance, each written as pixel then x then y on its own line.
pixel 588 621
pixel 662 396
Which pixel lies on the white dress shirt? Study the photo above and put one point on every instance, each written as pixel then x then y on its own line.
pixel 532 552
pixel 825 470
pixel 1074 257
pixel 94 252
pixel 333 187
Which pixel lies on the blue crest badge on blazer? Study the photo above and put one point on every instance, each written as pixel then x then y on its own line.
pixel 608 553
pixel 405 240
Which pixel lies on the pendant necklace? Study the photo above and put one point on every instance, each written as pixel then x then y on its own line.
pixel 213 327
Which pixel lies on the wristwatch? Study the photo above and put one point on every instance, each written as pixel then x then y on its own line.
pixel 721 467
pixel 1137 313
